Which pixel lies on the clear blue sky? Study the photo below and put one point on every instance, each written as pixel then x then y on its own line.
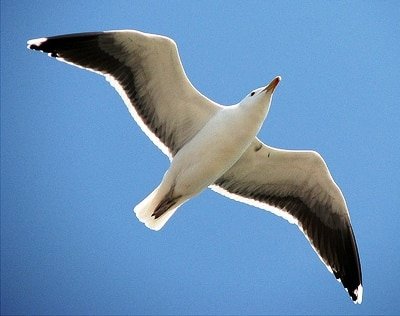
pixel 74 163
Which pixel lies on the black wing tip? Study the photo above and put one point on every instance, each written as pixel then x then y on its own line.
pixel 337 249
pixel 357 294
pixel 51 44
pixel 355 291
pixel 35 44
pixel 41 44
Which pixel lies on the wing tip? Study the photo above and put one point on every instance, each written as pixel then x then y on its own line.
pixel 36 43
pixel 357 294
pixel 39 44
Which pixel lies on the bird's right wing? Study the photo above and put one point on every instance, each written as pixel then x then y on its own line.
pixel 147 72
pixel 297 185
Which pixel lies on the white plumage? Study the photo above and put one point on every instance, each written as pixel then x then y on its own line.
pixel 215 146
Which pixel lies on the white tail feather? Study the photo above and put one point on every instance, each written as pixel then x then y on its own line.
pixel 145 209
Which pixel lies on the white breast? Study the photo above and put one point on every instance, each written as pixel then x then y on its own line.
pixel 213 150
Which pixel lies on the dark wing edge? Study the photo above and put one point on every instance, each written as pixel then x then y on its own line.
pixel 332 237
pixel 83 50
pixel 127 66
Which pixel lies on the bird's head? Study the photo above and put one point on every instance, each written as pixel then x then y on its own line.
pixel 261 96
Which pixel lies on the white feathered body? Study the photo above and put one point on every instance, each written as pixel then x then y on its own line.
pixel 210 144
pixel 204 158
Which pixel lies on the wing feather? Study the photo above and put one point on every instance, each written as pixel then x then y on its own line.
pixel 147 72
pixel 297 185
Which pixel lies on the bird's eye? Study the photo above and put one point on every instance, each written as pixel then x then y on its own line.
pixel 253 93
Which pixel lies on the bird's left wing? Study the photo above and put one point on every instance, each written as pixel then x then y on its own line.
pixel 297 185
pixel 147 72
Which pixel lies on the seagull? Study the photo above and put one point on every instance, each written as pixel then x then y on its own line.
pixel 215 146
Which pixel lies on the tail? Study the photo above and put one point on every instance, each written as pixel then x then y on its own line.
pixel 157 208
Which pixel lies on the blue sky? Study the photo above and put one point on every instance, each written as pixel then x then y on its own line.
pixel 74 163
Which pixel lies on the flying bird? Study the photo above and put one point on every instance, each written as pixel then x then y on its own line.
pixel 216 146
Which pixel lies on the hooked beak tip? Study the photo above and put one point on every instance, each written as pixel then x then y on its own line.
pixel 273 84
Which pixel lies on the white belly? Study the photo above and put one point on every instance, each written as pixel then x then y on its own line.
pixel 211 152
